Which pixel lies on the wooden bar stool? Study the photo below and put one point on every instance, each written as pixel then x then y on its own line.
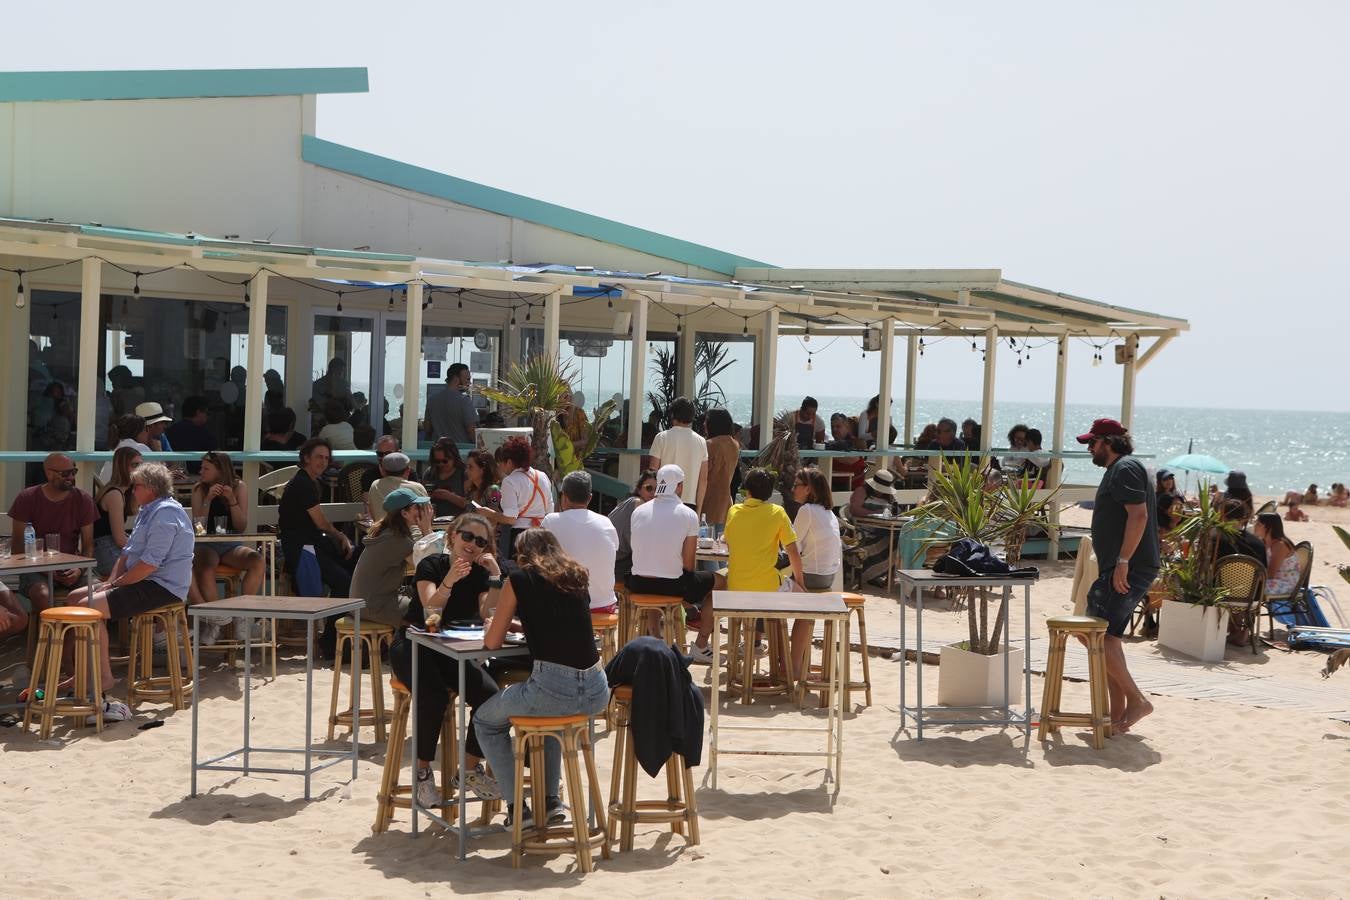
pixel 606 628
pixel 142 682
pixel 741 661
pixel 578 838
pixel 394 795
pixel 82 624
pixel 1099 720
pixel 816 678
pixel 624 808
pixel 671 609
pixel 621 597
pixel 374 637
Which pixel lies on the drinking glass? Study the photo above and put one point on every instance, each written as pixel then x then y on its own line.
pixel 53 544
pixel 199 524
pixel 37 546
pixel 221 522
pixel 4 548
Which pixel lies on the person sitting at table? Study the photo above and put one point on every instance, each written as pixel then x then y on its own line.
pixel 155 568
pixel 876 497
pixel 587 537
pixel 57 507
pixel 115 506
pixel 665 547
pixel 406 516
pixel 756 531
pixel 301 522
pixel 220 495
pixel 281 433
pixel 621 517
pixel 549 595
pixel 337 430
pixel 444 478
pixel 451 588
pixel 13 617
pixel 820 546
pixel 847 472
pixel 396 472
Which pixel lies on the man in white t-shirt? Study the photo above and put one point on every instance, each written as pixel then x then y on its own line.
pixel 395 472
pixel 587 537
pixel 665 544
pixel 679 445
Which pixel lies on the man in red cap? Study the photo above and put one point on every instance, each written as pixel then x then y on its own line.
pixel 1125 539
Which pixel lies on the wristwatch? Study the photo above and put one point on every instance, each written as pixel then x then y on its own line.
pixel 496 581
pixel 1123 561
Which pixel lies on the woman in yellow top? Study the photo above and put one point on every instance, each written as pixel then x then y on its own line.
pixel 756 529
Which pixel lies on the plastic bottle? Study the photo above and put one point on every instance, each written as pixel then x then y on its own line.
pixel 703 531
pixel 29 541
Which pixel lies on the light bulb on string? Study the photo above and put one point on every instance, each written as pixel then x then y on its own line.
pixel 459 300
pixel 246 298
pixel 136 285
pixel 527 312
pixel 391 298
pixel 339 306
pixel 20 301
pixel 973 348
pixel 513 315
pixel 808 362
pixel 745 325
pixel 610 301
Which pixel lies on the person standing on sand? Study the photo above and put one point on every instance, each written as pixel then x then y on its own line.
pixel 1125 539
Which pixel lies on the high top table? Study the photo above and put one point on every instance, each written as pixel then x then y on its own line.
pixel 464 652
pixel 913 583
pixel 48 564
pixel 752 605
pixel 303 609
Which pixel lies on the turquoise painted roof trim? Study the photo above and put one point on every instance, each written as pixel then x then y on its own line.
pixel 341 158
pixel 28 87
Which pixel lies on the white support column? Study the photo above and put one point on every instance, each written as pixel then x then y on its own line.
pixel 911 383
pixel 412 367
pixel 1127 381
pixel 687 347
pixel 637 390
pixel 884 387
pixel 300 358
pixel 766 378
pixel 87 374
pixel 1056 475
pixel 14 325
pixel 552 324
pixel 254 387
pixel 987 404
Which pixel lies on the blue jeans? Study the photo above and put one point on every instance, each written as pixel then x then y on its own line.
pixel 551 690
pixel 1104 603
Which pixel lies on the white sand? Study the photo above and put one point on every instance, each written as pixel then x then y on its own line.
pixel 1205 799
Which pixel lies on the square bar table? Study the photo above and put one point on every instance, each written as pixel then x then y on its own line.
pixel 463 652
pixel 302 609
pixel 48 564
pixel 913 582
pixel 268 541
pixel 752 605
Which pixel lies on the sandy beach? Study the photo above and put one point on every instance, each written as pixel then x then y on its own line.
pixel 1205 798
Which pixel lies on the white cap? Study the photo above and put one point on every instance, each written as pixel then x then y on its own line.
pixel 668 478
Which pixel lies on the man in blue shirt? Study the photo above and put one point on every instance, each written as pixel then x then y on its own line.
pixel 154 570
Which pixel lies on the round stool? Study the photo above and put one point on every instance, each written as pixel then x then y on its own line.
pixel 142 682
pixel 606 628
pixel 1099 720
pixel 578 838
pixel 741 670
pixel 672 614
pixel 82 624
pixel 677 809
pixel 374 637
pixel 816 678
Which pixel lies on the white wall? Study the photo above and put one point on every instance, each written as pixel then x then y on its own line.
pixel 217 166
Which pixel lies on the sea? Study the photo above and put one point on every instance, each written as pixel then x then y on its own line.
pixel 1279 450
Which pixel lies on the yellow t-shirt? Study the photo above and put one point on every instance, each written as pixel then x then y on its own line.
pixel 754 533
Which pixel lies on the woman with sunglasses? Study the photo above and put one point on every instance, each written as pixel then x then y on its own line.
pixel 444 478
pixel 219 494
pixel 549 594
pixel 115 505
pixel 450 588
pixel 622 519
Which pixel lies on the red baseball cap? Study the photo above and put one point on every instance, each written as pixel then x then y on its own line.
pixel 1102 428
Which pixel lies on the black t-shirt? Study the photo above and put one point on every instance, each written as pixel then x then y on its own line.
pixel 1124 483
pixel 293 521
pixel 291 443
pixel 463 602
pixel 1244 543
pixel 557 624
pixel 454 484
pixel 1166 521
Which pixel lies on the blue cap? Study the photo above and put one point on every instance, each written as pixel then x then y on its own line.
pixel 401 498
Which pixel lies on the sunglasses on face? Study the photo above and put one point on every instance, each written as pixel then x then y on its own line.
pixel 469 537
pixel 65 473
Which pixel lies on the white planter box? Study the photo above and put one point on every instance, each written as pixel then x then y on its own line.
pixel 1197 631
pixel 973 679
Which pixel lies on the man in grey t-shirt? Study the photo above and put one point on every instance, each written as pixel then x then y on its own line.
pixel 451 413
pixel 1125 539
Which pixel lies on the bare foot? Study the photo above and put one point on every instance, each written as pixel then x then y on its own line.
pixel 1135 711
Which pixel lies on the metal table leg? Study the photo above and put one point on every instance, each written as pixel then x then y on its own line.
pixel 356 685
pixel 196 649
pixel 716 701
pixel 1026 656
pixel 462 724
pixel 248 683
pixel 904 594
pixel 412 718
pixel 309 701
pixel 918 667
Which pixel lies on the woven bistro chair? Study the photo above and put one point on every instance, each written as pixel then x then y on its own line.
pixel 350 480
pixel 1245 580
pixel 1294 602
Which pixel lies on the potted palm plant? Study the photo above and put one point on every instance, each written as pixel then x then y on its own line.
pixel 971 672
pixel 1192 619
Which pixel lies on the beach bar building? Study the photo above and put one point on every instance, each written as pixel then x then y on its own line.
pixel 166 234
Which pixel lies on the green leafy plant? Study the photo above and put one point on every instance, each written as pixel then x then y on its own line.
pixel 780 455
pixel 566 456
pixel 961 506
pixel 1192 575
pixel 710 361
pixel 535 390
pixel 1345 539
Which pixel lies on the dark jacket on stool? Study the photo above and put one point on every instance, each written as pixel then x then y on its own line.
pixel 667 712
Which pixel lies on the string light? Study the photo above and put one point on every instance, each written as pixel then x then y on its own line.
pixel 459 299
pixel 391 299
pixel 136 285
pixel 610 301
pixel 20 301
pixel 339 307
pixel 745 325
pixel 513 315
pixel 527 312
pixel 808 362
pixel 245 286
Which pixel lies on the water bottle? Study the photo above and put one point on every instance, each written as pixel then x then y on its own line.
pixel 29 541
pixel 703 531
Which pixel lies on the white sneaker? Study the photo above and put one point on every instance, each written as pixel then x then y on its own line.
pixel 208 633
pixel 113 711
pixel 479 783
pixel 160 641
pixel 701 655
pixel 428 795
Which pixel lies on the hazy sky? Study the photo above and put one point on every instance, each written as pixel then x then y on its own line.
pixel 1187 158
